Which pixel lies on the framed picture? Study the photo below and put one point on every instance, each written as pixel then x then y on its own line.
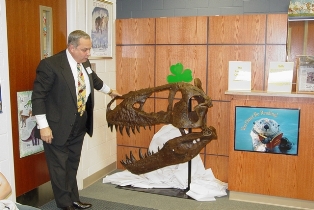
pixel 267 130
pixel 99 23
pixel 46 31
pixel 300 9
pixel 305 74
pixel 28 143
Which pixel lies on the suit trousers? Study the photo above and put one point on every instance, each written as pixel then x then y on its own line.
pixel 63 162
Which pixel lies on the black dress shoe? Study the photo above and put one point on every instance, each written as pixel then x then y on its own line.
pixel 68 208
pixel 80 205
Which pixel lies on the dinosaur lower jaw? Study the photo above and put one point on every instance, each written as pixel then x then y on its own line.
pixel 175 151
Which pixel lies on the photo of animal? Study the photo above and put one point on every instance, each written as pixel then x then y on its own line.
pixel 101 23
pixel 267 129
pixel 267 136
pixel 99 32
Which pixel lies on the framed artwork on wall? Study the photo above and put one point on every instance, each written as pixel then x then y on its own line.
pixel 301 9
pixel 267 130
pixel 46 31
pixel 305 74
pixel 99 25
pixel 28 143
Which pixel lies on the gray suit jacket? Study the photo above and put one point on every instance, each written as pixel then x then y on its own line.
pixel 54 94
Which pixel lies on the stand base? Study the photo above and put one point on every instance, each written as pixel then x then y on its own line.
pixel 160 191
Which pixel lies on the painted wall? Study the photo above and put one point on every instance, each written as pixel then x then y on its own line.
pixel 178 8
pixel 99 151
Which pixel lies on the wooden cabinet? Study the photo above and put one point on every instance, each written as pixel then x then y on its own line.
pixel 274 174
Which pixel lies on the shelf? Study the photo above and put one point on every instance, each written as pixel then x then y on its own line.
pixel 263 93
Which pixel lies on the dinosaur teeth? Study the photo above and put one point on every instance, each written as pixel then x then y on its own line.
pixel 127 129
pixel 121 129
pixel 194 142
pixel 133 129
pixel 132 157
pixel 110 126
pixel 127 159
pixel 140 154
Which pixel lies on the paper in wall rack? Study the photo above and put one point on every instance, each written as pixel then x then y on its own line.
pixel 239 77
pixel 280 77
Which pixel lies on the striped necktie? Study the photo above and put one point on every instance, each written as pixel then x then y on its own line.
pixel 81 96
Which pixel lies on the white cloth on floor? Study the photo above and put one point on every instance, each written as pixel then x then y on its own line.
pixel 203 187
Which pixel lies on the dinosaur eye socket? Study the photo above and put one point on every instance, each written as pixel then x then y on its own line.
pixel 195 101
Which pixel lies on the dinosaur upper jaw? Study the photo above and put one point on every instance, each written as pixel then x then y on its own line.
pixel 133 118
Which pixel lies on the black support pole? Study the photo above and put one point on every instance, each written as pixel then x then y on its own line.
pixel 190 161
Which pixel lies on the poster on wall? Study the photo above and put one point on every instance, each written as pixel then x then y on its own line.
pixel 28 143
pixel 301 9
pixel 99 22
pixel 267 130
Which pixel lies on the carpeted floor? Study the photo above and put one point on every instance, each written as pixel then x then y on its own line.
pixel 109 196
pixel 138 200
pixel 98 205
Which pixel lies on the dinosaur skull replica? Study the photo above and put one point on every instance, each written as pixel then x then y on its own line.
pixel 129 114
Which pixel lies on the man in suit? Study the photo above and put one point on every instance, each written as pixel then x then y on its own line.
pixel 60 123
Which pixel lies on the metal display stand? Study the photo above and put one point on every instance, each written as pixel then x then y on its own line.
pixel 179 193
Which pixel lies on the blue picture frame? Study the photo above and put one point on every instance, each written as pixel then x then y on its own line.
pixel 267 130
